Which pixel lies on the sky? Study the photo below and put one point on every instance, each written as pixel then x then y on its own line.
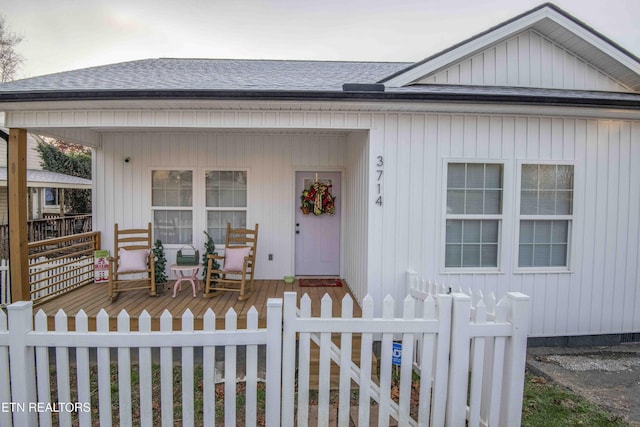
pixel 62 35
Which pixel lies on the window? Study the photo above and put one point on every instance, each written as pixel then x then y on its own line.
pixel 171 201
pixel 226 202
pixel 474 215
pixel 51 197
pixel 546 212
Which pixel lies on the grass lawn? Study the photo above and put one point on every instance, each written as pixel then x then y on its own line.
pixel 548 405
pixel 545 404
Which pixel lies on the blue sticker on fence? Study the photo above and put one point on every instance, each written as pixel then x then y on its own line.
pixel 396 357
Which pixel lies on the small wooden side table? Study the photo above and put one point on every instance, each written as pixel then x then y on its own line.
pixel 191 276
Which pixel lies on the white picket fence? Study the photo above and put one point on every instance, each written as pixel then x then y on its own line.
pixel 5 283
pixel 483 310
pixel 456 340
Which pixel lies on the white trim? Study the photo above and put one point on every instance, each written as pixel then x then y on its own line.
pixel 198 200
pixel 350 116
pixel 569 218
pixel 441 258
pixel 595 41
pixel 451 271
pixel 51 206
pixel 191 208
pixel 203 196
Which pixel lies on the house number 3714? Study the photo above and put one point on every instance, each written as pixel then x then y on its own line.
pixel 379 176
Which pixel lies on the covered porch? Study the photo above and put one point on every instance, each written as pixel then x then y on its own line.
pixel 94 297
pixel 135 168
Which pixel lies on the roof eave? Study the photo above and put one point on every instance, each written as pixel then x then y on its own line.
pixel 360 96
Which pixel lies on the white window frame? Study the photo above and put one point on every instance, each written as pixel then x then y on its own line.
pixel 194 202
pixel 207 209
pixel 57 197
pixel 520 217
pixel 446 216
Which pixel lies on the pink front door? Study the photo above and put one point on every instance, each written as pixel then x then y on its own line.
pixel 318 236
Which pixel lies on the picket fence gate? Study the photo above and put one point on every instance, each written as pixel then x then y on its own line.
pixel 457 342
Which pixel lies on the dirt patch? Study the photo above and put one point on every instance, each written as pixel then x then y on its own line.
pixel 609 362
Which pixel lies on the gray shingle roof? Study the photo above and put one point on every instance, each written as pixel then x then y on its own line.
pixel 40 178
pixel 270 79
pixel 210 74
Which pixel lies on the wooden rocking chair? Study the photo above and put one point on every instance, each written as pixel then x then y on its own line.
pixel 131 256
pixel 238 262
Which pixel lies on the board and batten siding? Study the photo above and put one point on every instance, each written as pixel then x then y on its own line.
pixel 355 186
pixel 526 60
pixel 599 295
pixel 123 195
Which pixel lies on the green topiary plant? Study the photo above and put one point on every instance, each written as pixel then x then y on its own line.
pixel 209 249
pixel 160 263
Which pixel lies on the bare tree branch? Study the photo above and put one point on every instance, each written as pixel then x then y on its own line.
pixel 10 60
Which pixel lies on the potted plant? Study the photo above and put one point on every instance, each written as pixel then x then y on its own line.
pixel 160 266
pixel 209 249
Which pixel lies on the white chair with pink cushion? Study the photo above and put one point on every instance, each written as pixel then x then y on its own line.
pixel 236 273
pixel 132 265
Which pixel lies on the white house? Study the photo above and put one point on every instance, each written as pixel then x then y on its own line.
pixel 507 162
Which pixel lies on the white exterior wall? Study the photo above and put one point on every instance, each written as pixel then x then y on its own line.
pixel 355 186
pixel 380 244
pixel 599 295
pixel 123 189
pixel 526 60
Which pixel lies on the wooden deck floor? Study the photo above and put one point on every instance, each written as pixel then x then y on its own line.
pixel 94 297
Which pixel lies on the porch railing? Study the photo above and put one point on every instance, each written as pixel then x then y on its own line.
pixel 47 228
pixel 62 264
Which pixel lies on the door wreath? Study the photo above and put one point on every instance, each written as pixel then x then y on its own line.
pixel 318 199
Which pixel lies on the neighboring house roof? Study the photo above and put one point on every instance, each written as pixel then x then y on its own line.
pixel 46 179
pixel 38 178
pixel 206 79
